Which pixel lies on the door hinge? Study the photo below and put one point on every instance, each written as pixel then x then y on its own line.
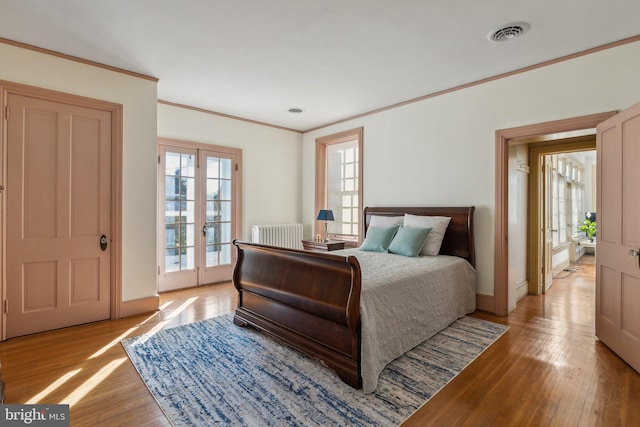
pixel 158 270
pixel 158 158
pixel 6 306
pixel 236 167
pixel 6 112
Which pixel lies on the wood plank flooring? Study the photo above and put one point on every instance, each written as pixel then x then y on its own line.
pixel 547 370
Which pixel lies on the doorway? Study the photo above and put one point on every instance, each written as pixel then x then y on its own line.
pixel 499 302
pixel 198 213
pixel 570 204
pixel 617 293
pixel 561 190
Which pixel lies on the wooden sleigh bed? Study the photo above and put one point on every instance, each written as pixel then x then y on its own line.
pixel 311 300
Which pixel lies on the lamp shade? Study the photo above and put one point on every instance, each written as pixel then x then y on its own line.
pixel 325 215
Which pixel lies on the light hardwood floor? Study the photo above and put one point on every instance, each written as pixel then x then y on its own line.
pixel 547 370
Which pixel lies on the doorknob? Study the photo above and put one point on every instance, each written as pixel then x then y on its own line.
pixel 635 253
pixel 103 242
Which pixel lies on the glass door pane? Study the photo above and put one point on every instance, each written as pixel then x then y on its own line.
pixel 178 244
pixel 180 212
pixel 218 215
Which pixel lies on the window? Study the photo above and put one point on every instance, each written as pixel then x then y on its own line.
pixel 567 198
pixel 339 183
pixel 562 210
pixel 577 206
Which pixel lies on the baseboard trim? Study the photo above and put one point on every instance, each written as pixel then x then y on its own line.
pixel 485 303
pixel 140 306
pixel 522 290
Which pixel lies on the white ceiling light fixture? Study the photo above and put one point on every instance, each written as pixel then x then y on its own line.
pixel 509 32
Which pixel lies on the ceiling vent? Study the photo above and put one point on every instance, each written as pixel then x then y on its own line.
pixel 509 32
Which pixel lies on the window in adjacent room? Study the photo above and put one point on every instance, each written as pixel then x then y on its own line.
pixel 567 201
pixel 339 183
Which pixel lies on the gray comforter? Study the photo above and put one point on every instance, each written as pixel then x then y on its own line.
pixel 404 301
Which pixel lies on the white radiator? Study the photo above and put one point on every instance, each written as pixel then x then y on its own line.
pixel 282 235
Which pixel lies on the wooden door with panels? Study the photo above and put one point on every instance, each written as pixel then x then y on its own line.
pixel 58 214
pixel 618 260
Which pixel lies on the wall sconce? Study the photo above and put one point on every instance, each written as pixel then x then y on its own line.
pixel 325 215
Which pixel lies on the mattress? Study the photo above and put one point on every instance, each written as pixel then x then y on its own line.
pixel 406 300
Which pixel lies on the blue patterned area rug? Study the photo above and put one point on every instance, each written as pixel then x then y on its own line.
pixel 216 373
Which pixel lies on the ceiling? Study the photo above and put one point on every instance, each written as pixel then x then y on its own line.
pixel 334 59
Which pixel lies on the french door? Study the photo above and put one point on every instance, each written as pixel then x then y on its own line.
pixel 198 214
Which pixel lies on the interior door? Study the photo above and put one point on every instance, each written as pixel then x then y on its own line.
pixel 58 215
pixel 618 207
pixel 197 216
pixel 548 230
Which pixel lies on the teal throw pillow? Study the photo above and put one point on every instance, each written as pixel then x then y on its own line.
pixel 408 241
pixel 378 238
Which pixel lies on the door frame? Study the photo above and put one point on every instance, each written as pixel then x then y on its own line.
pixel 116 111
pixel 179 143
pixel 498 303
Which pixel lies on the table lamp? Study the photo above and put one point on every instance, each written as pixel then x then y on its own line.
pixel 325 215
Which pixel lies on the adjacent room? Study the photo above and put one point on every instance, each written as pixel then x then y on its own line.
pixel 334 213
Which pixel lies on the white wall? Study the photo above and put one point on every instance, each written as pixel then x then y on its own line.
pixel 518 211
pixel 270 156
pixel 441 151
pixel 138 96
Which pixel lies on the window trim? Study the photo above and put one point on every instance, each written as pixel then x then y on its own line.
pixel 321 175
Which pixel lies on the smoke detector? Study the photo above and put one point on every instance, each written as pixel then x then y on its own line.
pixel 509 32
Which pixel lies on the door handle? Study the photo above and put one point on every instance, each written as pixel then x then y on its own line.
pixel 634 253
pixel 103 242
pixel 204 230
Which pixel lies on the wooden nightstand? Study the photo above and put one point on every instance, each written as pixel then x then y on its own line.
pixel 314 245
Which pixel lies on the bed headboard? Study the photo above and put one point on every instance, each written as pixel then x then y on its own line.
pixel 458 239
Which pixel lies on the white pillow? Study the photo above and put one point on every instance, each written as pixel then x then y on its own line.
pixel 438 225
pixel 385 221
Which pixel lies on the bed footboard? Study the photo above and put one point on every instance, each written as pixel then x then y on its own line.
pixel 310 300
